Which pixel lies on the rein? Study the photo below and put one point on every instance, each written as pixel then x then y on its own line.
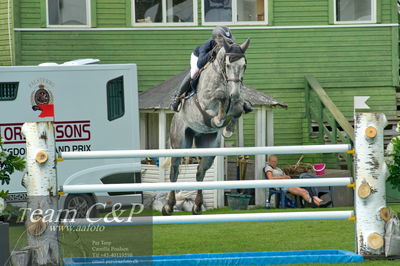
pixel 206 117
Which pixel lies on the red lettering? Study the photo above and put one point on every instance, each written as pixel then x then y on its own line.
pixel 59 132
pixel 17 133
pixel 64 131
pixel 68 131
pixel 73 131
pixel 8 133
pixel 12 133
pixel 78 131
pixel 86 130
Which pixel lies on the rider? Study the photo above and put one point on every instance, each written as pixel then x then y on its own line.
pixel 199 58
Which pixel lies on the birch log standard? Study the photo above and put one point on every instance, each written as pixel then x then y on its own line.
pixel 40 183
pixel 370 177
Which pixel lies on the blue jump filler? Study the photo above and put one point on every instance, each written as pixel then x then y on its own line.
pixel 239 258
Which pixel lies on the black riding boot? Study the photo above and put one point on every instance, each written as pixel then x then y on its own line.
pixel 247 108
pixel 184 87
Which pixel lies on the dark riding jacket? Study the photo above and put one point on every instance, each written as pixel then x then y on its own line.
pixel 203 52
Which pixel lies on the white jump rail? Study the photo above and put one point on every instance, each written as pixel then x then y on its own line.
pixel 370 172
pixel 215 218
pixel 312 182
pixel 118 154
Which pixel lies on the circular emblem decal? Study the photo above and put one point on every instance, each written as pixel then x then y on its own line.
pixel 41 96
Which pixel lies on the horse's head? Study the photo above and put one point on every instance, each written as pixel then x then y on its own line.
pixel 234 66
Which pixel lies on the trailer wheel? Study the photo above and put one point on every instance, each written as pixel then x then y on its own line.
pixel 81 203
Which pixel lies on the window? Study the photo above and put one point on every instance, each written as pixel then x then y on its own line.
pixel 355 11
pixel 115 98
pixel 68 12
pixel 123 178
pixel 234 12
pixel 167 12
pixel 8 91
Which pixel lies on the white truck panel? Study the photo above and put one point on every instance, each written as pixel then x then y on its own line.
pixel 79 95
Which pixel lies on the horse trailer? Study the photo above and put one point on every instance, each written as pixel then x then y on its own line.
pixel 95 108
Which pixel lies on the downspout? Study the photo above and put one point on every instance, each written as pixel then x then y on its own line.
pixel 9 32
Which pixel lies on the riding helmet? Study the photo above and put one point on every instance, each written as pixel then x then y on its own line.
pixel 222 32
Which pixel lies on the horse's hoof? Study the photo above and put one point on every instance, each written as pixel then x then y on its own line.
pixel 215 122
pixel 196 210
pixel 166 210
pixel 226 133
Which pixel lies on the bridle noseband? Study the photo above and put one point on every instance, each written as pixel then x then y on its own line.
pixel 239 56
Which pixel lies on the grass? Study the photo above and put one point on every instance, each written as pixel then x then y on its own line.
pixel 212 237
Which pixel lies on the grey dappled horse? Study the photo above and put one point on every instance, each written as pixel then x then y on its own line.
pixel 215 108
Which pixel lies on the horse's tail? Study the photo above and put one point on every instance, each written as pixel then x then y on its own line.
pixel 166 163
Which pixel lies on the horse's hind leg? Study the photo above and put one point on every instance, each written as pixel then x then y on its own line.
pixel 180 137
pixel 204 165
pixel 204 141
pixel 174 172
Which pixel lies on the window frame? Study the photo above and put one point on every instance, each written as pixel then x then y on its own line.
pixel 374 13
pixel 234 21
pixel 164 17
pixel 88 17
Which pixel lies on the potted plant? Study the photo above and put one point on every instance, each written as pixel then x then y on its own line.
pixel 392 158
pixel 8 165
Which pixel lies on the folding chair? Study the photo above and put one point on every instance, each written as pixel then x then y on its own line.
pixel 281 196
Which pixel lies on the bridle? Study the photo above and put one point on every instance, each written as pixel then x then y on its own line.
pixel 222 69
pixel 239 56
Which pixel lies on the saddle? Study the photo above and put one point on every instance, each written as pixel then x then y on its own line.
pixel 193 82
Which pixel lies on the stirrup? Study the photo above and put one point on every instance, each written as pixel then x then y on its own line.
pixel 175 105
pixel 181 103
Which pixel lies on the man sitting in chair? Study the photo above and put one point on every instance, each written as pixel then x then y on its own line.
pixel 272 171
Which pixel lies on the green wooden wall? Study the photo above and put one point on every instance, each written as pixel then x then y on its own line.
pixel 347 61
pixel 5 34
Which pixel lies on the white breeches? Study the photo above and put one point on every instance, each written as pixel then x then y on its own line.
pixel 193 65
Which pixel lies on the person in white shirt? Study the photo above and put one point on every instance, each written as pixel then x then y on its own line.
pixel 272 171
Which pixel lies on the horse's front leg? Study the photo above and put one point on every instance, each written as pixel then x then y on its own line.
pixel 168 208
pixel 236 112
pixel 218 120
pixel 204 165
pixel 227 132
pixel 173 177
